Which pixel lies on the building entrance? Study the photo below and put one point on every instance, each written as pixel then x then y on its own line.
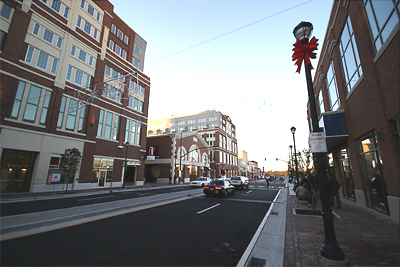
pixel 16 170
pixel 373 176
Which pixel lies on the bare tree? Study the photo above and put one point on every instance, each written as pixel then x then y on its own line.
pixel 69 163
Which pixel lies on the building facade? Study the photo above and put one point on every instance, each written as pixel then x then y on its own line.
pixel 71 77
pixel 218 131
pixel 356 85
pixel 244 167
pixel 184 155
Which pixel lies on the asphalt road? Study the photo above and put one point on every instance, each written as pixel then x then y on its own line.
pixel 29 206
pixel 199 231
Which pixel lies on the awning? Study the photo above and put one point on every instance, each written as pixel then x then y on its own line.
pixel 334 126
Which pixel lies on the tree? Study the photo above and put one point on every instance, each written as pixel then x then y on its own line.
pixel 155 171
pixel 69 163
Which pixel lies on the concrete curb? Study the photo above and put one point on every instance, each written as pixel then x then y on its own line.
pixel 268 244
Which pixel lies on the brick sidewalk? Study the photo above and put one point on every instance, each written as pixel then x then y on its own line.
pixel 367 237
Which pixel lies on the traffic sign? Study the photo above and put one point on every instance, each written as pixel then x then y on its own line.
pixel 318 142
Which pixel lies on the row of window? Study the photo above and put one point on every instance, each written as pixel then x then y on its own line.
pixel 120 34
pixel 78 77
pixel 382 17
pixel 90 9
pixel 117 49
pixel 56 6
pixel 47 35
pixel 71 115
pixel 82 55
pixel 88 28
pixel 41 60
pixel 31 104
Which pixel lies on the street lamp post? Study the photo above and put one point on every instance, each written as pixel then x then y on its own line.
pixel 330 249
pixel 126 163
pixel 293 130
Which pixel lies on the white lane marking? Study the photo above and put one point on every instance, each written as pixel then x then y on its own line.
pixel 208 208
pixel 249 191
pixel 95 198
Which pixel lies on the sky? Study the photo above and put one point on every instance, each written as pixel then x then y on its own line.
pixel 234 56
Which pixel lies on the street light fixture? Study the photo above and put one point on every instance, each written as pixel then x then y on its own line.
pixel 293 130
pixel 302 32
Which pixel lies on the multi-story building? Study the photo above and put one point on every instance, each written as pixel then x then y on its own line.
pixel 244 167
pixel 71 77
pixel 218 131
pixel 184 155
pixel 356 84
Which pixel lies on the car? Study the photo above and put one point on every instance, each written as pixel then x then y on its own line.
pixel 281 178
pixel 219 187
pixel 240 181
pixel 200 182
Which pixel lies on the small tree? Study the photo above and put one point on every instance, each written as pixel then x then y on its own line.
pixel 155 171
pixel 69 163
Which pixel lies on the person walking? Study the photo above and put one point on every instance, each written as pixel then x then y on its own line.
pixel 334 187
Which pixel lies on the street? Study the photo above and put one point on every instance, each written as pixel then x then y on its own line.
pixel 197 231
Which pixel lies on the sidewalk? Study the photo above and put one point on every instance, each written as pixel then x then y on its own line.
pixel 367 238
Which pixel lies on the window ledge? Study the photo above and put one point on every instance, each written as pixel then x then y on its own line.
pixel 355 86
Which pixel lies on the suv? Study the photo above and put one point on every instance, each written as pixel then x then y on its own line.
pixel 240 181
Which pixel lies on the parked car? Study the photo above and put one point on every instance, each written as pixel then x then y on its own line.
pixel 200 182
pixel 219 187
pixel 240 181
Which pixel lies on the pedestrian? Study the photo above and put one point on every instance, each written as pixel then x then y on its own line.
pixel 334 186
pixel 266 179
pixel 303 193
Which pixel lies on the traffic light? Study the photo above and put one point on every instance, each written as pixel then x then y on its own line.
pixel 211 147
pixel 197 148
pixel 150 151
pixel 276 159
pixel 265 159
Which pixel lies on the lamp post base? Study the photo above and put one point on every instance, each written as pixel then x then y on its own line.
pixel 333 254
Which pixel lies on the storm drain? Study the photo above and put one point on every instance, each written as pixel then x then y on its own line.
pixel 257 262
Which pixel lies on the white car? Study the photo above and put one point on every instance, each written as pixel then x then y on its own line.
pixel 200 182
pixel 240 181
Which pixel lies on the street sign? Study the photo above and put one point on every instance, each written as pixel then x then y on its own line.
pixel 318 142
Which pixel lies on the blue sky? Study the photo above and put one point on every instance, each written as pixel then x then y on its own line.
pixel 246 73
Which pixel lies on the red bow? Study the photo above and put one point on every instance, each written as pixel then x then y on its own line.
pixel 304 51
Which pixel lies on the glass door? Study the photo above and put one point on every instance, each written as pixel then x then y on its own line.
pixel 373 176
pixel 347 174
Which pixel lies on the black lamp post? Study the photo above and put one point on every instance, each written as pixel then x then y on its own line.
pixel 126 163
pixel 330 249
pixel 291 156
pixel 293 130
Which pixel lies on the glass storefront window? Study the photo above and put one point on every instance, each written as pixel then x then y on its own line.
pixel 347 174
pixel 372 173
pixel 16 170
pixel 102 171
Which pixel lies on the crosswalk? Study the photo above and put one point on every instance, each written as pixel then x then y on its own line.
pixel 265 186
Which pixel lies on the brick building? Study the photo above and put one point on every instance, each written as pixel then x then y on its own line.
pixel 71 77
pixel 170 153
pixel 356 85
pixel 218 131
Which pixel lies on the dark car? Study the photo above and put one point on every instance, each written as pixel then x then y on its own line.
pixel 219 187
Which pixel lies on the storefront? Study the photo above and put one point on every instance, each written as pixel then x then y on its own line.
pixel 16 170
pixel 347 180
pixel 372 173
